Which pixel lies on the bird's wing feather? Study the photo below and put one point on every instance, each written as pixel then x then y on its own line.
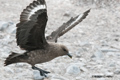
pixel 31 29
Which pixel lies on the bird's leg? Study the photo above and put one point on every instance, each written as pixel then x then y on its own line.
pixel 42 72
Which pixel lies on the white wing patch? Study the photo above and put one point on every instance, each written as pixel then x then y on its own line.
pixel 36 9
pixel 32 9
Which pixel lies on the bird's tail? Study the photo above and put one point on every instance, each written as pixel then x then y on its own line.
pixel 14 58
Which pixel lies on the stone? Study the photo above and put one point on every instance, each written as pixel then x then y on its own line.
pixel 79 78
pixel 8 70
pixel 112 64
pixel 36 75
pixel 107 49
pixel 117 54
pixel 85 44
pixel 5 26
pixel 109 74
pixel 78 54
pixel 83 69
pixel 55 79
pixel 110 53
pixel 101 79
pixel 2 23
pixel 73 69
pixel 97 75
pixel 11 29
pixel 117 71
pixel 58 77
pixel 98 55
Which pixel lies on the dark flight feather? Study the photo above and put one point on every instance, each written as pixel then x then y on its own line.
pixel 31 29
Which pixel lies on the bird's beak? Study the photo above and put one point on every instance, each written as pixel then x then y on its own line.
pixel 69 55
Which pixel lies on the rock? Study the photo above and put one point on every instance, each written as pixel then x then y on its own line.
pixel 9 70
pixel 85 44
pixel 99 61
pixel 104 70
pixel 98 55
pixel 98 75
pixel 2 23
pixel 79 78
pixel 117 54
pixel 58 77
pixel 107 49
pixel 112 64
pixel 8 27
pixel 109 74
pixel 73 69
pixel 5 26
pixel 101 79
pixel 83 69
pixel 20 65
pixel 117 71
pixel 78 54
pixel 36 75
pixel 110 53
pixel 55 79
pixel 83 60
pixel 11 29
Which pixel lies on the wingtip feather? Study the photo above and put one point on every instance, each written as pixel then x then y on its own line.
pixel 32 9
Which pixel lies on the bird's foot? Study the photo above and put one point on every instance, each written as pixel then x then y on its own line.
pixel 42 72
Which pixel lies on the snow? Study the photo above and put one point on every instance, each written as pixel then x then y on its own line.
pixel 94 43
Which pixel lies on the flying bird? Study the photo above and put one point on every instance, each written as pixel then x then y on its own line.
pixel 30 36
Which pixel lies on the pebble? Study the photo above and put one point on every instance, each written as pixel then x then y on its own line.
pixel 109 74
pixel 97 75
pixel 73 69
pixel 5 26
pixel 79 78
pixel 36 75
pixel 83 69
pixel 101 79
pixel 112 64
pixel 11 29
pixel 2 25
pixel 107 49
pixel 89 33
pixel 55 79
pixel 110 53
pixel 8 27
pixel 117 54
pixel 9 70
pixel 20 65
pixel 98 55
pixel 85 44
pixel 78 54
pixel 58 77
pixel 117 71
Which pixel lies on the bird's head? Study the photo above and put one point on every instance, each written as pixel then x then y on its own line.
pixel 64 51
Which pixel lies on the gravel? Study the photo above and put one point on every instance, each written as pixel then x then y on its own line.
pixel 94 43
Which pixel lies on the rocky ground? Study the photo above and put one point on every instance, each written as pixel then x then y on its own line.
pixel 94 43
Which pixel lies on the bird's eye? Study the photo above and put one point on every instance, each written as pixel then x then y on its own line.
pixel 64 50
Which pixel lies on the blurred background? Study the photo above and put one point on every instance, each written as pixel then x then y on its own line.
pixel 94 43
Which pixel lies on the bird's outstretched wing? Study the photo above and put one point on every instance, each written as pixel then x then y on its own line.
pixel 31 29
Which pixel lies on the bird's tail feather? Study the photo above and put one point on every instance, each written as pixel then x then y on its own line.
pixel 14 58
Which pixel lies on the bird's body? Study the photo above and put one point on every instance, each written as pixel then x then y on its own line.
pixel 31 37
pixel 51 51
pixel 44 55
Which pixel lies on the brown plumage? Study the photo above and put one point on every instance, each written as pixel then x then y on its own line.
pixel 31 37
pixel 33 57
